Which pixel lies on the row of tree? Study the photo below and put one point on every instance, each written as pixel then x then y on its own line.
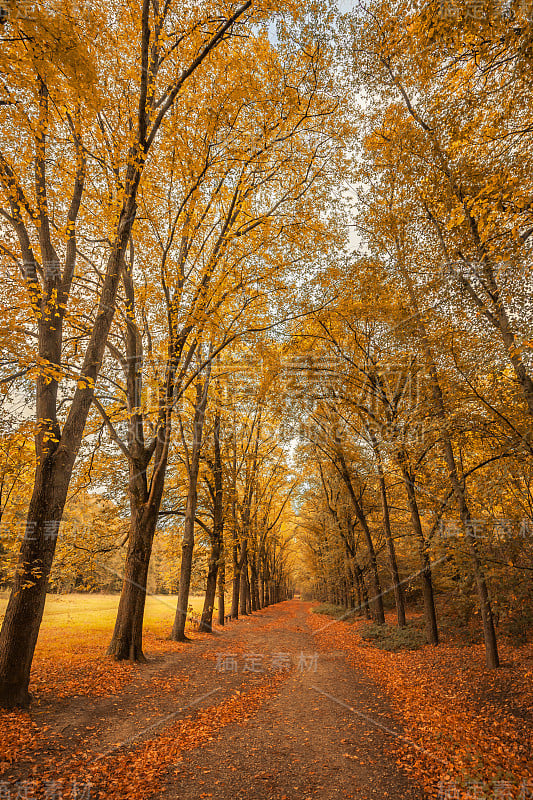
pixel 176 188
pixel 419 435
pixel 165 174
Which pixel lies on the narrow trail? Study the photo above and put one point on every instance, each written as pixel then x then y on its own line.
pixel 256 711
pixel 321 735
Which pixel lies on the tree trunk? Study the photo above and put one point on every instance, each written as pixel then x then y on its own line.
pixel 221 588
pixel 377 600
pixel 248 593
pixel 27 600
pixel 359 596
pixel 350 594
pixel 145 500
pixel 489 631
pixel 398 591
pixel 178 629
pixel 56 454
pixel 206 622
pixel 126 642
pixel 236 585
pixel 364 591
pixel 217 544
pixel 244 579
pixel 430 617
pixel 254 583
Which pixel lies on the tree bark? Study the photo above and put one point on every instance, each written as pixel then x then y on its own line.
pixel 206 622
pixel 244 580
pixel 262 591
pixel 398 591
pixel 266 589
pixel 248 593
pixel 364 591
pixel 430 617
pixel 126 642
pixel 377 600
pixel 145 500
pixel 222 588
pixel 26 603
pixel 236 585
pixel 254 589
pixel 178 629
pixel 217 541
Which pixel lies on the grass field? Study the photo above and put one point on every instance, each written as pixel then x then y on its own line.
pixel 72 619
pixel 70 657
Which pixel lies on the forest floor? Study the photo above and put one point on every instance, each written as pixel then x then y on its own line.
pixel 282 705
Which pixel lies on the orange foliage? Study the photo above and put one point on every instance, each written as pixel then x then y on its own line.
pixel 141 773
pixel 458 723
pixel 137 772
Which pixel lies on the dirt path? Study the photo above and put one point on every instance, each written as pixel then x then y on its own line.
pixel 254 711
pixel 321 735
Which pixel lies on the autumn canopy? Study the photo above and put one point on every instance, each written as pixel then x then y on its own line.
pixel 267 321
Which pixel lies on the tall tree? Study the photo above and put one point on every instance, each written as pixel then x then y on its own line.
pixel 55 76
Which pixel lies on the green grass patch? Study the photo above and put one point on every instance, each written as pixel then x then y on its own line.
pixel 330 610
pixel 392 638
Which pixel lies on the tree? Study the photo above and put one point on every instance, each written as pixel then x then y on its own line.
pixel 193 466
pixel 66 116
pixel 243 188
